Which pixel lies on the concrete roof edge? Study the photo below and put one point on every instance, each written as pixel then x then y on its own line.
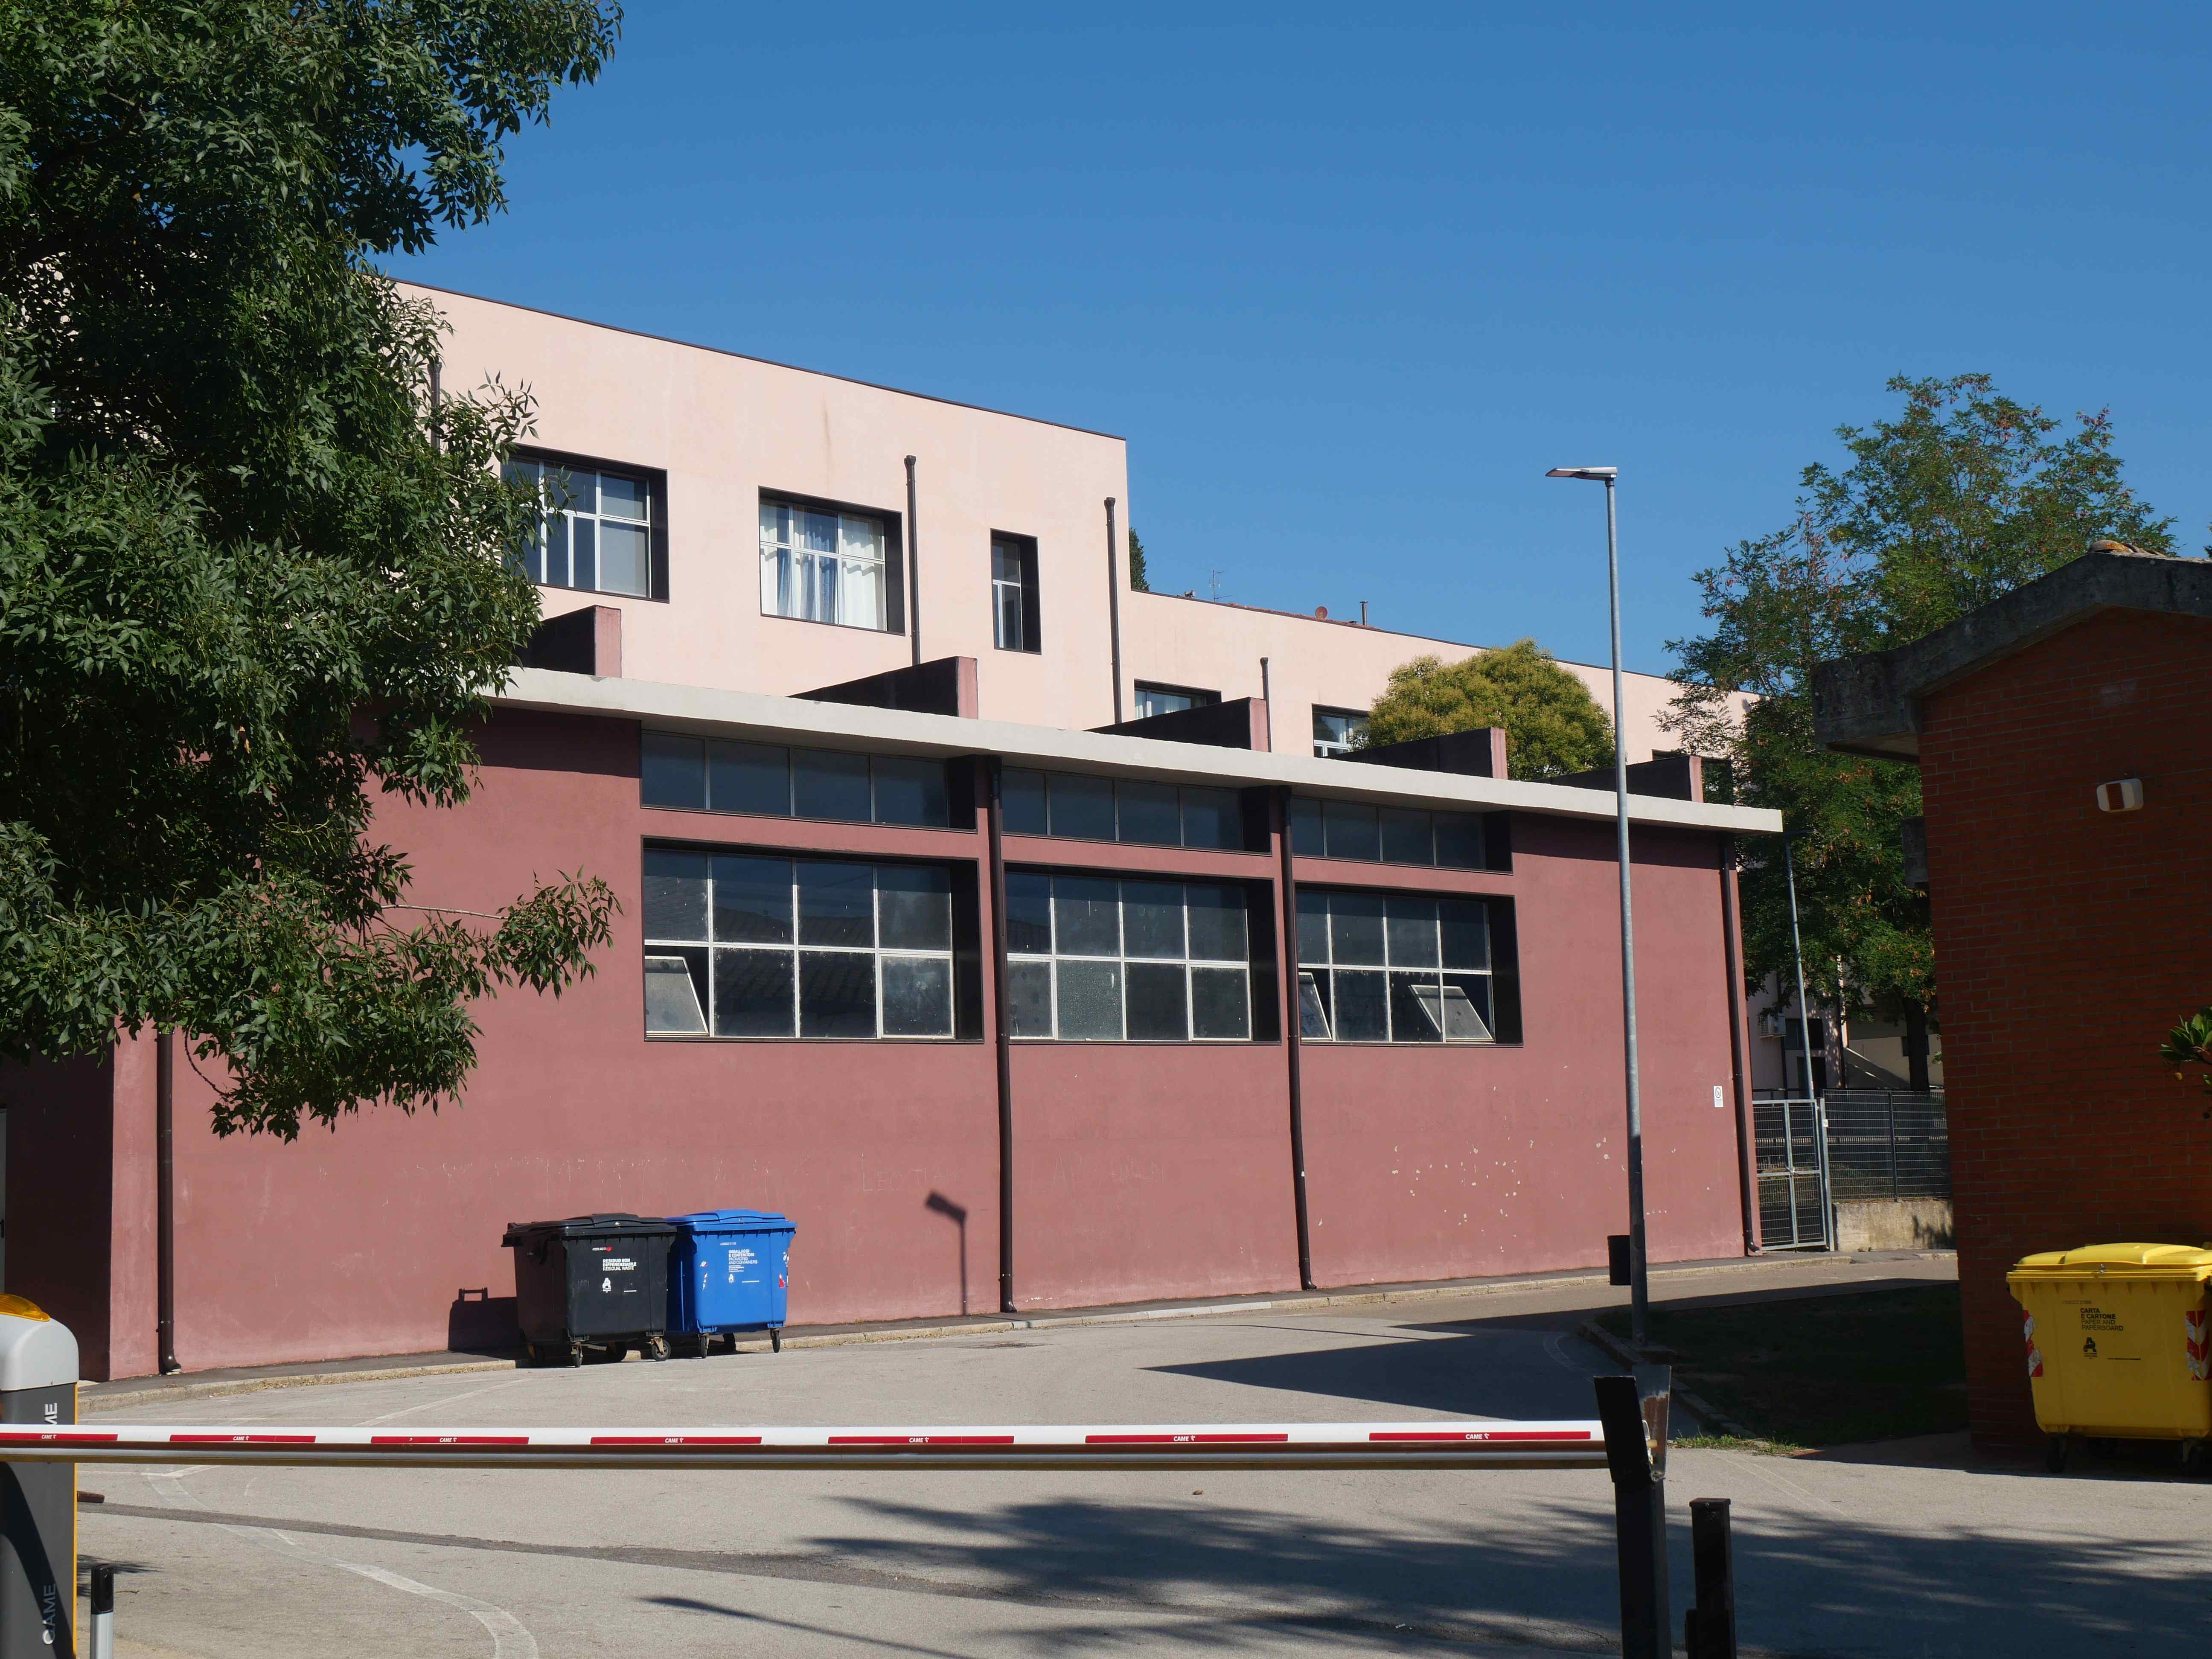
pixel 760 716
pixel 1869 704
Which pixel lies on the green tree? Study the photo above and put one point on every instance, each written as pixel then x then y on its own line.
pixel 1137 579
pixel 1552 724
pixel 249 577
pixel 1961 497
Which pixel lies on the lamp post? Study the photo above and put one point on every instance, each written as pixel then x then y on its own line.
pixel 1639 1289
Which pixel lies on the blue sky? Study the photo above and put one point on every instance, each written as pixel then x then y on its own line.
pixel 1348 286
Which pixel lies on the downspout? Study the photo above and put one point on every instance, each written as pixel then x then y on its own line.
pixel 1003 1030
pixel 1294 1050
pixel 1267 698
pixel 165 1201
pixel 1738 1043
pixel 437 403
pixel 1114 605
pixel 913 566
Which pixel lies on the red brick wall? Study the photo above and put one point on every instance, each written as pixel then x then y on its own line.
pixel 2066 941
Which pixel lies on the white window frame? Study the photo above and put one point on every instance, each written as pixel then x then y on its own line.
pixel 818 583
pixel 570 498
pixel 1330 748
pixel 1317 1015
pixel 1054 958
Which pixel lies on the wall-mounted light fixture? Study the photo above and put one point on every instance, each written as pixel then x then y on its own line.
pixel 2124 795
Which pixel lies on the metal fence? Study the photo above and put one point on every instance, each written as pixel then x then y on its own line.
pixel 1885 1143
pixel 1793 1174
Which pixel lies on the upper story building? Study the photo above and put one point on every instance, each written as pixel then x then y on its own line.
pixel 770 529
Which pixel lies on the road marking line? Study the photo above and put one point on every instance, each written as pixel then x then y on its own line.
pixel 504 1626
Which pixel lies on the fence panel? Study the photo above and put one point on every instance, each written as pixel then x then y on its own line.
pixel 1793 1176
pixel 1885 1143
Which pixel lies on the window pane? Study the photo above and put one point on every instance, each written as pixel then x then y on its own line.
pixel 675 894
pixel 815 532
pixel 1361 1008
pixel 555 531
pixel 1313 927
pixel 1412 924
pixel 1086 920
pixel 752 993
pixel 1021 798
pixel 1416 1015
pixel 583 553
pixel 860 595
pixel 1467 1008
pixel 776 583
pixel 752 901
pixel 1149 814
pixel 1219 929
pixel 914 907
pixel 1313 1006
pixel 1305 829
pixel 676 993
pixel 672 771
pixel 1089 998
pixel 1356 927
pixel 1029 999
pixel 837 903
pixel 1460 841
pixel 748 777
pixel 1406 838
pixel 917 996
pixel 1082 807
pixel 775 524
pixel 1220 1002
pixel 621 497
pixel 828 783
pixel 1151 920
pixel 1466 934
pixel 1157 1011
pixel 1006 563
pixel 1213 817
pixel 571 491
pixel 1028 913
pixel 1352 831
pixel 860 539
pixel 911 791
pixel 836 993
pixel 625 560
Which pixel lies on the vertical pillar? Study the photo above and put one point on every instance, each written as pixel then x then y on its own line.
pixel 38 1501
pixel 1633 1410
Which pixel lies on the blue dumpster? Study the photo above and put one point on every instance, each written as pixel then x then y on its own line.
pixel 728 1271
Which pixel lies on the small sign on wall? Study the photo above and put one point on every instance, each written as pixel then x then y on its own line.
pixel 1717 1098
pixel 2125 795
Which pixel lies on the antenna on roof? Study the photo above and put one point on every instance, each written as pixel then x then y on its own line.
pixel 1214 581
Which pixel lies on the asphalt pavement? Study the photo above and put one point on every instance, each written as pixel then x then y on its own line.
pixel 1912 1549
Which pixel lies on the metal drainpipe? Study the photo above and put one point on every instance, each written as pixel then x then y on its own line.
pixel 437 402
pixel 1268 699
pixel 165 1200
pixel 1114 605
pixel 1293 1052
pixel 996 855
pixel 1732 950
pixel 913 566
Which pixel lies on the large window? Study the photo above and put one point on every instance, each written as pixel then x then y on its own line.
pixel 741 945
pixel 1103 959
pixel 1391 835
pixel 1014 594
pixel 1404 968
pixel 594 528
pixel 1171 699
pixel 1338 730
pixel 766 780
pixel 822 565
pixel 1072 805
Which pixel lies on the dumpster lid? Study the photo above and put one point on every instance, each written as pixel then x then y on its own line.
pixel 589 1227
pixel 2152 1258
pixel 702 1219
pixel 36 1350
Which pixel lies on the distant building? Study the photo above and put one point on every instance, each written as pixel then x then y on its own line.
pixel 2066 752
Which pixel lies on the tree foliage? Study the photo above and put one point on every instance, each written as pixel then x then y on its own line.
pixel 1552 724
pixel 1961 497
pixel 245 585
pixel 1138 578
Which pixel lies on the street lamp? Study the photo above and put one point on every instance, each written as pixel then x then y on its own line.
pixel 1639 1289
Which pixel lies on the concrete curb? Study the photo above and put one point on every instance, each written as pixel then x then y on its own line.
pixel 123 1395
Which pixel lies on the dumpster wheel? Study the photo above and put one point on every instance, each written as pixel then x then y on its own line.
pixel 2192 1457
pixel 2055 1453
pixel 775 1340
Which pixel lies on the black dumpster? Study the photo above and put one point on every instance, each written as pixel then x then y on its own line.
pixel 596 1282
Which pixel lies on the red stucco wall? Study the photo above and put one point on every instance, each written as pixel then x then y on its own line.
pixel 2066 941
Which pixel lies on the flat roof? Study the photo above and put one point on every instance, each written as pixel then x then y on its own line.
pixel 755 715
pixel 745 357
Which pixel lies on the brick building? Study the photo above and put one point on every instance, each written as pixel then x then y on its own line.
pixel 2071 928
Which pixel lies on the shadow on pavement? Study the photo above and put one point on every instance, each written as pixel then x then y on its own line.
pixel 1474 1374
pixel 1804 1585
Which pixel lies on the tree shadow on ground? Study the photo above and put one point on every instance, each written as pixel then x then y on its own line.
pixel 1542 1576
pixel 1467 1374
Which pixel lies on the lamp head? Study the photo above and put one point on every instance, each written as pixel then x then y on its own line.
pixel 1594 474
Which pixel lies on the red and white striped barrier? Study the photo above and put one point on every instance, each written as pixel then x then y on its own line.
pixel 1497 1445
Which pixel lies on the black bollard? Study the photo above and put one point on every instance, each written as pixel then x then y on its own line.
pixel 1711 1626
pixel 103 1612
pixel 1633 1410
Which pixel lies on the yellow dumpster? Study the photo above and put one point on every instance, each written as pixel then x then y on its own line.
pixel 2116 1343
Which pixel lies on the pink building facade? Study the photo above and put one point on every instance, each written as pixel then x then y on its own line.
pixel 1006 1010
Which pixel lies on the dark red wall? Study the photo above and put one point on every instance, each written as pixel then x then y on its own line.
pixel 1141 1170
pixel 2066 941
